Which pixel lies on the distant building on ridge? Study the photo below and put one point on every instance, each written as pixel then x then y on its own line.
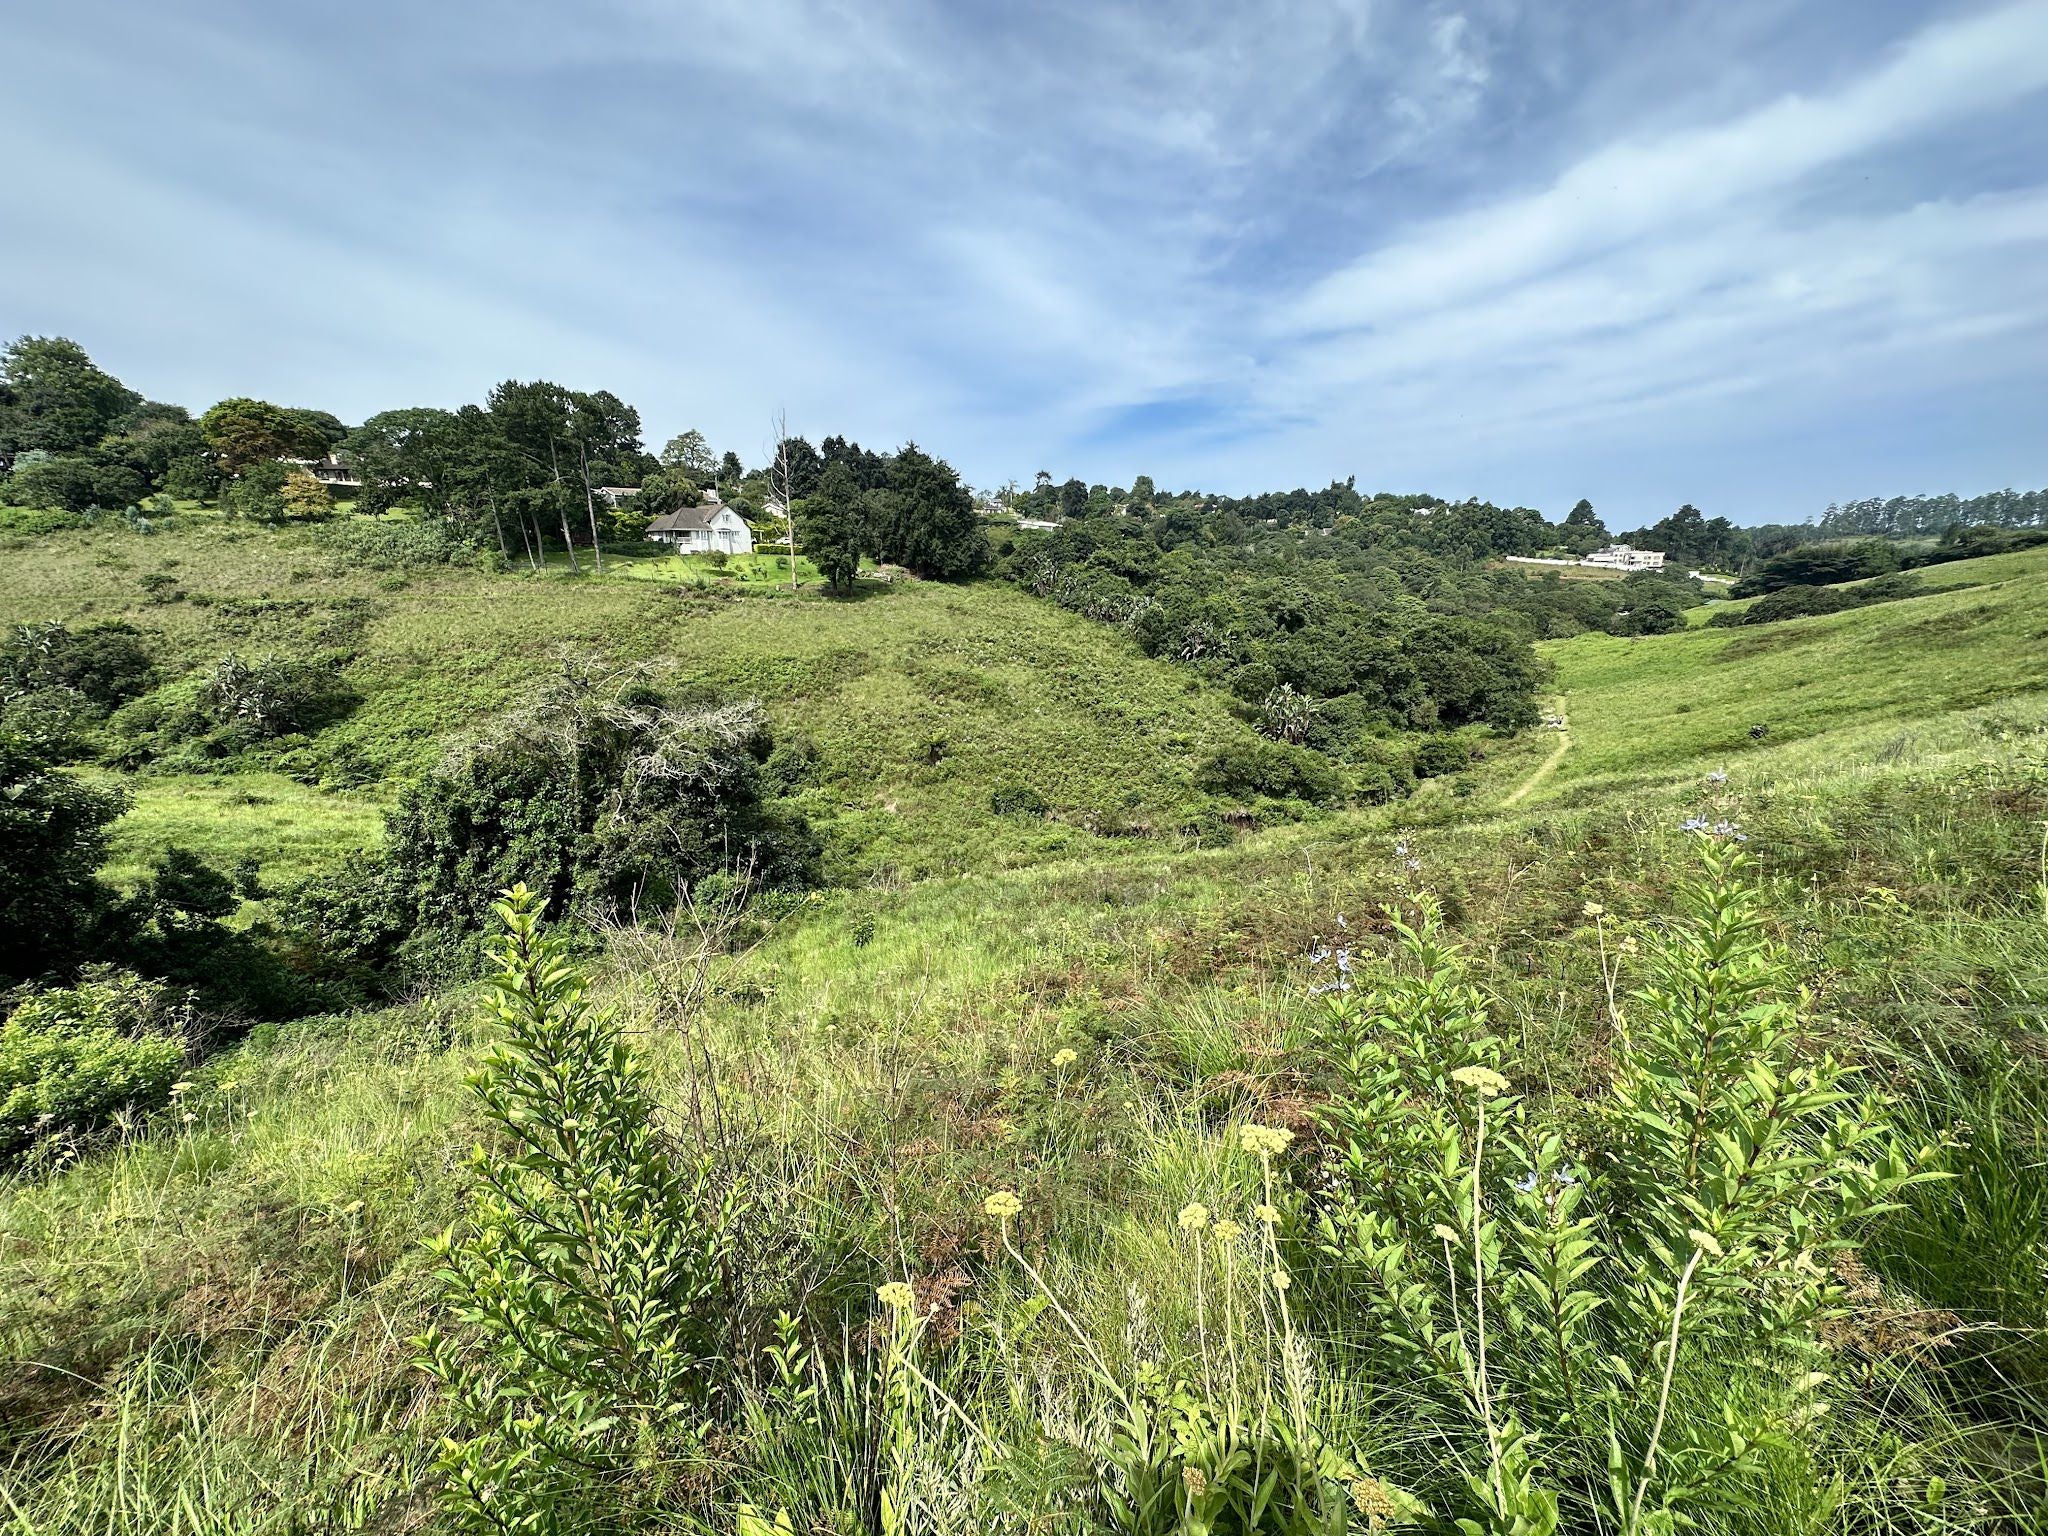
pixel 1622 557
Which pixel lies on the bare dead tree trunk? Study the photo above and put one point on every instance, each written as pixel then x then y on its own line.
pixel 782 488
pixel 562 507
pixel 590 505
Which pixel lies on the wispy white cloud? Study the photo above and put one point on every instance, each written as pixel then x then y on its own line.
pixel 1475 245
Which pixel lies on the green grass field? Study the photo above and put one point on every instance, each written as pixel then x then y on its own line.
pixel 1832 690
pixel 205 1323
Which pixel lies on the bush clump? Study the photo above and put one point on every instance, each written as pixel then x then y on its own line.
pixel 71 1058
pixel 1271 768
pixel 606 804
pixel 1018 800
pixel 1436 756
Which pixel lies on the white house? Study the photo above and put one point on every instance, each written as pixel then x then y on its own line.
pixel 703 530
pixel 1621 557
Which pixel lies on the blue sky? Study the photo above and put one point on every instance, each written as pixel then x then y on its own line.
pixel 1757 256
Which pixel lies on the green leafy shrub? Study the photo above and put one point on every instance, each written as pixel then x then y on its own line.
pixel 1564 1297
pixel 587 1288
pixel 1272 768
pixel 71 1058
pixel 1017 800
pixel 608 808
pixel 1438 755
pixel 54 911
pixel 105 664
pixel 239 704
pixel 417 544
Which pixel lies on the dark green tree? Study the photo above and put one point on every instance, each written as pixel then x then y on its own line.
pixel 54 397
pixel 54 911
pixel 832 525
pixel 924 520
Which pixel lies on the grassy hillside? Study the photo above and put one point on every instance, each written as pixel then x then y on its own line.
pixel 1826 691
pixel 205 1324
pixel 921 699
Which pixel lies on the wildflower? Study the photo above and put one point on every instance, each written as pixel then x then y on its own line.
pixel 1282 1280
pixel 1731 831
pixel 1694 824
pixel 1718 776
pixel 1527 1182
pixel 1065 1058
pixel 1445 1233
pixel 1193 1479
pixel 1564 1180
pixel 189 1117
pixel 1400 850
pixel 1414 866
pixel 1593 909
pixel 1628 944
pixel 1269 1214
pixel 1706 1241
pixel 1264 1140
pixel 1483 1080
pixel 1194 1216
pixel 1003 1204
pixel 896 1296
pixel 181 1088
pixel 1228 1231
pixel 1370 1498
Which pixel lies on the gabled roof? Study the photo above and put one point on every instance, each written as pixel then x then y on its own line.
pixel 688 520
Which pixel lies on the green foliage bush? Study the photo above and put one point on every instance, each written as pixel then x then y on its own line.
pixel 1563 1295
pixel 606 804
pixel 1017 800
pixel 1812 565
pixel 107 664
pixel 402 544
pixel 71 1058
pixel 1441 754
pixel 1271 768
pixel 588 1287
pixel 1803 601
pixel 54 912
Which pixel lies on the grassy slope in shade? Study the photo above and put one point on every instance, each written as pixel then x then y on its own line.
pixel 922 698
pixel 1649 710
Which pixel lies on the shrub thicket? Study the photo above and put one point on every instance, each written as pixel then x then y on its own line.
pixel 605 802
pixel 71 1058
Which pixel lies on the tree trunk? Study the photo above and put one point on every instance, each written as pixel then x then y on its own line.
pixel 562 507
pixel 498 525
pixel 590 507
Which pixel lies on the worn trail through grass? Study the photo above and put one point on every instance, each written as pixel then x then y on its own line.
pixel 1547 767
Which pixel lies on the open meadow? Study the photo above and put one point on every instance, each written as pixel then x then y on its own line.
pixel 1071 1152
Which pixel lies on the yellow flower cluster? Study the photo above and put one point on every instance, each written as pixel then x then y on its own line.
pixel 1264 1140
pixel 1228 1231
pixel 1065 1058
pixel 1003 1204
pixel 1269 1214
pixel 1194 1216
pixel 896 1296
pixel 1483 1080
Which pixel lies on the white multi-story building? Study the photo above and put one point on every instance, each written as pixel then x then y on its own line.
pixel 1623 557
